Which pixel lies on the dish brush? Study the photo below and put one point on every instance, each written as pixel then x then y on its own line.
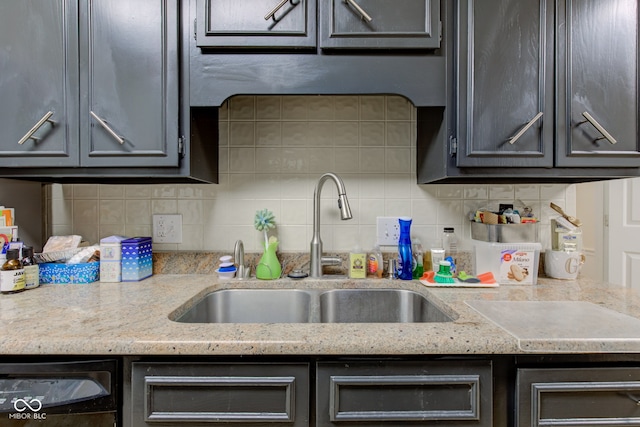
pixel 264 221
pixel 444 273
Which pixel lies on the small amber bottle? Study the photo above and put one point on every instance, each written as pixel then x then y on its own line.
pixel 12 274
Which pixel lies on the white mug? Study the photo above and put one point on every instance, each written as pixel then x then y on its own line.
pixel 562 265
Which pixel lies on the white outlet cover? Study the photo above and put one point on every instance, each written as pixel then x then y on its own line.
pixel 387 231
pixel 167 228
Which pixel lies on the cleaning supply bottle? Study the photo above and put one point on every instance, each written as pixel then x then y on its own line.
pixel 418 254
pixel 450 242
pixel 405 253
pixel 357 264
pixel 375 265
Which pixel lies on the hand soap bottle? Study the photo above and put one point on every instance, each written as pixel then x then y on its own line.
pixel 405 255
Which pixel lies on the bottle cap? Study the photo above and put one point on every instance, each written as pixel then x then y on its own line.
pixel 27 251
pixel 13 254
pixel 449 229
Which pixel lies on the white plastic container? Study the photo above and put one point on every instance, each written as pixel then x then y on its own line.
pixel 510 263
pixel 111 259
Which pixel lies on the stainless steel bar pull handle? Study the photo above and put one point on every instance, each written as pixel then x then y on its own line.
pixel 360 10
pixel 525 128
pixel 107 128
pixel 43 120
pixel 605 135
pixel 272 12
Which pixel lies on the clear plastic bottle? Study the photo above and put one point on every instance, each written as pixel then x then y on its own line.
pixel 418 252
pixel 375 266
pixel 450 241
pixel 405 253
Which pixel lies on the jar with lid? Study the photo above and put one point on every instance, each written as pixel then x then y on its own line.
pixel 450 241
pixel 12 273
pixel 31 269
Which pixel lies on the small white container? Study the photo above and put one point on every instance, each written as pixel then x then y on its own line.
pixel 111 258
pixel 226 275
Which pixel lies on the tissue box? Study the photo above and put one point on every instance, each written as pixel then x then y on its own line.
pixel 69 273
pixel 111 258
pixel 137 262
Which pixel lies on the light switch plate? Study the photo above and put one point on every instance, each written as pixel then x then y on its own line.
pixel 167 228
pixel 388 231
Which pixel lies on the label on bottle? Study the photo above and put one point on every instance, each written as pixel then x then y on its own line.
pixel 12 280
pixel 31 276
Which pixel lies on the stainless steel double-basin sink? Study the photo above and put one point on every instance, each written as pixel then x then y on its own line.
pixel 314 306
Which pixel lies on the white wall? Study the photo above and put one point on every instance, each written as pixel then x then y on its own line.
pixel 272 151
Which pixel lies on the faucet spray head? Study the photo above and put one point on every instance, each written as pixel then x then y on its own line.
pixel 343 204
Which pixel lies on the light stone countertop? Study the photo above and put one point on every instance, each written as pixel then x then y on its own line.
pixel 134 319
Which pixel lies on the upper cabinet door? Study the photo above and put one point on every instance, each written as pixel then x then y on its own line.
pixel 256 24
pixel 380 24
pixel 129 81
pixel 38 83
pixel 505 83
pixel 598 107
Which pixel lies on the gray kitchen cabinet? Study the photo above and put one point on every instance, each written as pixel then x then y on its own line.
pixel 343 24
pixel 198 394
pixel 256 24
pixel 129 83
pixel 598 83
pixel 607 396
pixel 39 83
pixel 376 393
pixel 90 92
pixel 524 74
pixel 379 24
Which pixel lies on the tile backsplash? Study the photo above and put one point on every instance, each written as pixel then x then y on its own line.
pixel 272 151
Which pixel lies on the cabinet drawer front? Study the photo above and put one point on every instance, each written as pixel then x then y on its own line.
pixel 221 393
pixel 256 23
pixel 380 24
pixel 397 392
pixel 579 397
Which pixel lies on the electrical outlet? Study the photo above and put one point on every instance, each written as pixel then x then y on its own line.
pixel 388 231
pixel 167 228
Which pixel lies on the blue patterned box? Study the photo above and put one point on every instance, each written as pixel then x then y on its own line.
pixel 58 273
pixel 137 261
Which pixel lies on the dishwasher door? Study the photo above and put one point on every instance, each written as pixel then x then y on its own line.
pixel 69 393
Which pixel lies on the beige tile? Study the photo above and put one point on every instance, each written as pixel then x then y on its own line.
pixel 372 134
pixel 372 108
pixel 346 159
pixel 398 108
pixel 268 108
pixel 269 159
pixel 111 191
pixel 112 212
pixel 499 191
pixel 295 160
pixel 294 133
pixel 85 212
pixel 398 134
pixel 397 160
pixel 137 191
pixel 321 160
pixel 192 211
pixel 346 134
pixel 242 134
pixel 321 108
pixel 242 108
pixel 164 191
pixel 268 134
pixel 294 108
pixel 346 107
pixel 85 191
pixel 137 212
pixel 242 160
pixel 476 192
pixel 372 160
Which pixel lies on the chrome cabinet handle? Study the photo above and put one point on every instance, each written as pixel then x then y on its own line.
pixel 43 120
pixel 272 12
pixel 107 128
pixel 360 10
pixel 605 135
pixel 526 127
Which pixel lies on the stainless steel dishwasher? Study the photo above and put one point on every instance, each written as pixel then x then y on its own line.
pixel 61 393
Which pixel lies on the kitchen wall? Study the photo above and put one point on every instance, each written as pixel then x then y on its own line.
pixel 272 151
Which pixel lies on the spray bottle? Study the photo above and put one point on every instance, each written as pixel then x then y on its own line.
pixel 405 255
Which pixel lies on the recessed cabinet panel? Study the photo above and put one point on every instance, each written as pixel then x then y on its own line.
pixel 256 23
pixel 402 393
pixel 598 58
pixel 130 113
pixel 380 24
pixel 505 80
pixel 38 77
pixel 578 397
pixel 221 393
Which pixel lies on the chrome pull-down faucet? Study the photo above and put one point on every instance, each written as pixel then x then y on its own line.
pixel 316 260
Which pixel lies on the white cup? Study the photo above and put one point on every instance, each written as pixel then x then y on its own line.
pixel 562 265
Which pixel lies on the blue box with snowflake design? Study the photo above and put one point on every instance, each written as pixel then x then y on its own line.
pixel 137 259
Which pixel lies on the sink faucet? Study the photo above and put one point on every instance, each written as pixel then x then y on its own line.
pixel 238 257
pixel 316 259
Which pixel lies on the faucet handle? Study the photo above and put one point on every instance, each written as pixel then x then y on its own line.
pixel 330 260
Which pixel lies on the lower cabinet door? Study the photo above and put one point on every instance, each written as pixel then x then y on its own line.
pixel 404 393
pixel 578 397
pixel 199 394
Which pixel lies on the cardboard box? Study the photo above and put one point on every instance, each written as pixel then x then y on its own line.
pixel 510 263
pixel 137 259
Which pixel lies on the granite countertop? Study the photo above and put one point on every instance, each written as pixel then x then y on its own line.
pixel 135 319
